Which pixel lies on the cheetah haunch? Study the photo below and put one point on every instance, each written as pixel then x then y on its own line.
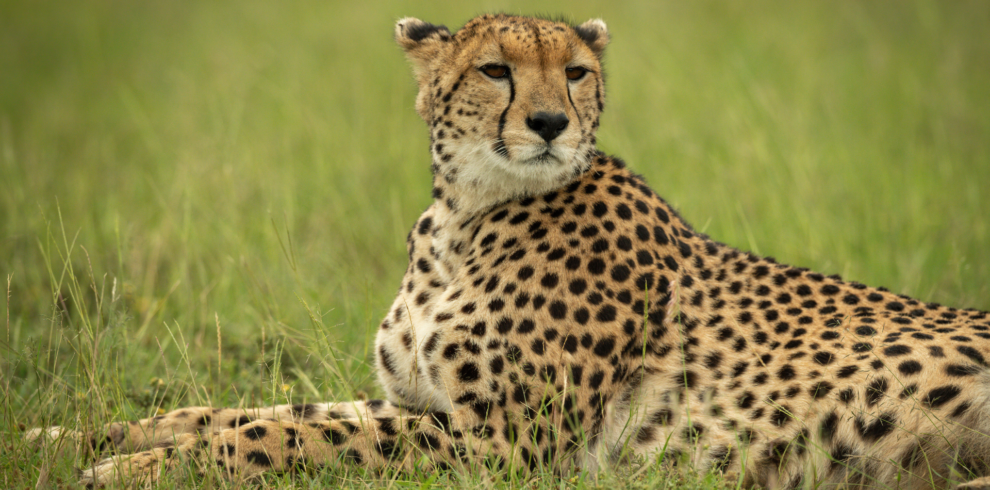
pixel 557 313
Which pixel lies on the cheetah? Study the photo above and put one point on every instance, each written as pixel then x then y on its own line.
pixel 557 313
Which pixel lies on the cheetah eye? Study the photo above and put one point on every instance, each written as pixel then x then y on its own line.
pixel 575 73
pixel 495 71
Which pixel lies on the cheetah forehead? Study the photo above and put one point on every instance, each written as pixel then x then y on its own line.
pixel 527 39
pixel 506 38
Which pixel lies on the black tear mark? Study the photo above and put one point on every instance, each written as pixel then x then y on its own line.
pixel 500 147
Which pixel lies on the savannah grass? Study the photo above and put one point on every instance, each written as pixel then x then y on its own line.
pixel 206 202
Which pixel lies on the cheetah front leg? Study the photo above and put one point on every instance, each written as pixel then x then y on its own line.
pixel 143 434
pixel 400 441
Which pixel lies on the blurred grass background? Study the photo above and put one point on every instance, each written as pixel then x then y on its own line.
pixel 166 167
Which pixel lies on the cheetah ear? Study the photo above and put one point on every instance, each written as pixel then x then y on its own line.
pixel 594 34
pixel 421 41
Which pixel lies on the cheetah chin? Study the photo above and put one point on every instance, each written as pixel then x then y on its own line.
pixel 557 314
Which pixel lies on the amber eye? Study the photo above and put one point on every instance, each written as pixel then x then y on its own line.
pixel 495 71
pixel 575 73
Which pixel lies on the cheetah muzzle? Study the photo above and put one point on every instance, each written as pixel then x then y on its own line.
pixel 557 313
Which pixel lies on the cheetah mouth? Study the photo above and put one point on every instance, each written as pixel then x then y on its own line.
pixel 544 157
pixel 547 156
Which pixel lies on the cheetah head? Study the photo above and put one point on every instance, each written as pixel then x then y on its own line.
pixel 512 103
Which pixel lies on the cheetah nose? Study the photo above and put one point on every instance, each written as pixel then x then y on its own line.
pixel 547 125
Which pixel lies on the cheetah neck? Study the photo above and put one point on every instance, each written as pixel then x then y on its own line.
pixel 470 185
pixel 464 192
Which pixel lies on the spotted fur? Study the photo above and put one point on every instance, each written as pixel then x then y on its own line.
pixel 556 312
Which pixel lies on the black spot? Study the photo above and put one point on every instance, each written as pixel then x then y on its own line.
pixel 739 368
pixel 581 315
pixel 786 372
pixel 841 454
pixel 897 350
pixel 558 310
pixel 604 347
pixel 596 266
pixel 596 380
pixel 961 409
pixel 941 395
pixel 780 416
pixel 959 370
pixel 423 265
pixel 823 358
pixel 671 263
pixel 504 325
pixel 427 441
pixel 713 360
pixel 847 371
pixel 496 305
pixel 606 314
pixel 794 344
pixel 304 410
pixel 880 427
pixel 526 326
pixel 255 433
pixel 620 273
pixel 972 354
pixel 549 281
pixel 468 372
pixel 525 273
pixel 908 368
pixel 908 391
pixel 538 347
pixel 875 391
pixel 426 223
pixel 258 458
pixel 745 400
pixel 623 211
pixel 693 432
pixel 589 231
pixel 847 395
pixel 828 427
pixel 352 456
pixel 821 390
pixel 386 426
pixel 686 379
pixel 450 352
pixel 387 448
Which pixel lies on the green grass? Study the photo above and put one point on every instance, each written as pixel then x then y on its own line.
pixel 175 172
